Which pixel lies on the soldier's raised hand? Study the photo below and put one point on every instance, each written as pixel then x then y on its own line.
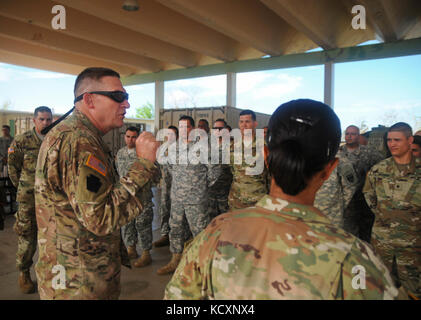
pixel 146 146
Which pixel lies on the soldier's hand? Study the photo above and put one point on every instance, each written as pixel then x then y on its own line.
pixel 146 146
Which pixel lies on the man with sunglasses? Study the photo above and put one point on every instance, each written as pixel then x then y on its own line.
pixel 81 204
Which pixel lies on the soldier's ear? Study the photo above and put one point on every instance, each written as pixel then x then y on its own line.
pixel 327 171
pixel 411 139
pixel 87 99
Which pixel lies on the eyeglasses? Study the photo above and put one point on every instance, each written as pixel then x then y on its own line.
pixel 117 96
pixel 218 128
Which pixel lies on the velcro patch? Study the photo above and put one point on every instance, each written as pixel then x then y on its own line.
pixel 10 150
pixel 93 183
pixel 96 164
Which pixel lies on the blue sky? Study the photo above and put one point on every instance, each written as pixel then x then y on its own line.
pixel 374 92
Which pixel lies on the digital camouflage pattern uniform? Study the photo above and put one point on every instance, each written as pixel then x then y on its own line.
pixel 278 250
pixel 189 196
pixel 218 193
pixel 337 191
pixel 246 190
pixel 393 192
pixel 23 154
pixel 141 226
pixel 81 206
pixel 358 218
pixel 165 199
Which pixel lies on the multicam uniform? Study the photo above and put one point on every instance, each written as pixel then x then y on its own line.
pixel 278 250
pixel 80 207
pixel 393 193
pixel 246 189
pixel 358 218
pixel 142 225
pixel 23 154
pixel 337 191
pixel 189 196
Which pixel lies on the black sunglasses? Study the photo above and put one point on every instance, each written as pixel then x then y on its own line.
pixel 117 96
pixel 218 128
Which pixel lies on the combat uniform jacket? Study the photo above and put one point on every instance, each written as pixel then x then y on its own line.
pixel 4 146
pixel 124 160
pixel 394 196
pixel 221 188
pixel 246 189
pixel 278 250
pixel 23 155
pixel 337 191
pixel 80 207
pixel 190 182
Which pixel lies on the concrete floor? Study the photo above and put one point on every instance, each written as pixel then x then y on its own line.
pixel 136 284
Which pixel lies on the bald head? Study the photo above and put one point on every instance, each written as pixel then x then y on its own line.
pixel 352 137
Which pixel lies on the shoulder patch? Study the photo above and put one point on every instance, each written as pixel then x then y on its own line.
pixel 10 150
pixel 96 164
pixel 93 183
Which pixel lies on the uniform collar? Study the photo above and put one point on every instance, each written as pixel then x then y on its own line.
pixel 410 168
pixel 87 123
pixel 34 133
pixel 355 151
pixel 299 211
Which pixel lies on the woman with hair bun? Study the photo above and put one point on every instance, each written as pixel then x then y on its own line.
pixel 285 248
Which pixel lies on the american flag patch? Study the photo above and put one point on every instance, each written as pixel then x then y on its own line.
pixel 96 164
pixel 10 150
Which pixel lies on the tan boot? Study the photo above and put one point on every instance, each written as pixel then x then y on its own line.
pixel 131 251
pixel 25 283
pixel 144 260
pixel 171 266
pixel 163 242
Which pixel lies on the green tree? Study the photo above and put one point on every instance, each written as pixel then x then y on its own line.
pixel 145 112
pixel 6 104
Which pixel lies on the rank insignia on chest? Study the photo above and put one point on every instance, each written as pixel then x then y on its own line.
pixel 96 164
pixel 10 150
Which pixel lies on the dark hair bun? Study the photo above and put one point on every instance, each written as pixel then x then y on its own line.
pixel 303 136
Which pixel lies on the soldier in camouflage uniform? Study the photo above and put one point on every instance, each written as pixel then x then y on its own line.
pixel 141 226
pixel 247 189
pixel 358 218
pixel 393 192
pixel 218 193
pixel 337 191
pixel 165 197
pixel 189 192
pixel 284 248
pixel 5 142
pixel 23 154
pixel 81 204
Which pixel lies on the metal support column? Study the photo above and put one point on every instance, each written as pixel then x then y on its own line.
pixel 231 89
pixel 159 103
pixel 329 84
